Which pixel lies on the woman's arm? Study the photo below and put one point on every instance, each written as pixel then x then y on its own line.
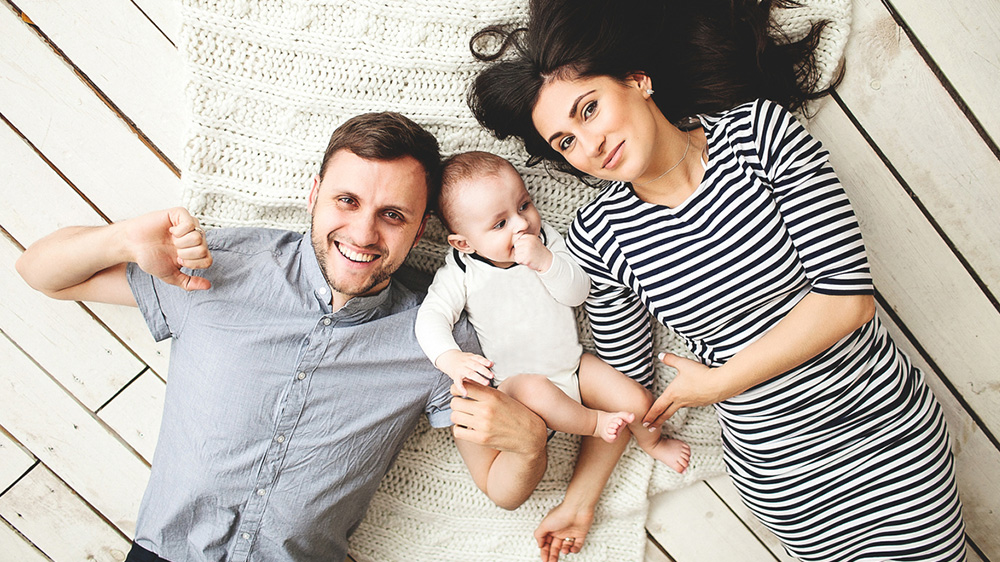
pixel 813 325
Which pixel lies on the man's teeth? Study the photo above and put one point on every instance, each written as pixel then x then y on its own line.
pixel 355 256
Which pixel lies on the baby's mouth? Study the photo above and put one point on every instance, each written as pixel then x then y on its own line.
pixel 356 257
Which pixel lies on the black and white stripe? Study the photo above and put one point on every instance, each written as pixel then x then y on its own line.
pixel 845 457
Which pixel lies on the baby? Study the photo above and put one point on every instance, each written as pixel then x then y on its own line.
pixel 514 277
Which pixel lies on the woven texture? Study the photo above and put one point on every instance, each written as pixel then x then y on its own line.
pixel 268 81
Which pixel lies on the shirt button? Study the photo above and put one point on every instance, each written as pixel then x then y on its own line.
pixel 321 290
pixel 280 439
pixel 246 536
pixel 327 321
pixel 261 492
pixel 300 376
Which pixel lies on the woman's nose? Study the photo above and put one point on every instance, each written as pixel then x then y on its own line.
pixel 593 144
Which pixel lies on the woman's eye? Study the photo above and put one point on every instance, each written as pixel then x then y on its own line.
pixel 566 142
pixel 589 109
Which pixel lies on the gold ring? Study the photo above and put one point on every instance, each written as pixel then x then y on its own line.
pixel 199 230
pixel 569 540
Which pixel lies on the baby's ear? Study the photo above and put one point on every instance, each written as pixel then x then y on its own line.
pixel 460 243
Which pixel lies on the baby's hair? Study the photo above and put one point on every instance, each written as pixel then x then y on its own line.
pixel 459 168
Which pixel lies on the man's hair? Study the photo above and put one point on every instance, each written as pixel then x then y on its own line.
pixel 389 136
pixel 460 168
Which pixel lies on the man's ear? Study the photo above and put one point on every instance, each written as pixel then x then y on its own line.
pixel 313 192
pixel 460 243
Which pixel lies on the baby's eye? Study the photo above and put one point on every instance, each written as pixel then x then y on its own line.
pixel 500 224
pixel 566 142
pixel 589 109
pixel 524 205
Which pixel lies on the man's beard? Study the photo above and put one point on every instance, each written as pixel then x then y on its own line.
pixel 377 277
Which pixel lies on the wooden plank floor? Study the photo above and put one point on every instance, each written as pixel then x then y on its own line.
pixel 90 99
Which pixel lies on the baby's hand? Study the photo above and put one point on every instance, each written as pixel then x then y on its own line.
pixel 531 252
pixel 460 366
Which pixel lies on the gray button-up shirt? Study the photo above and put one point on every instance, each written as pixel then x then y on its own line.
pixel 280 417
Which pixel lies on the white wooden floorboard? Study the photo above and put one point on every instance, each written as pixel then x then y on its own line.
pixel 60 115
pixel 119 49
pixel 14 461
pixel 904 108
pixel 70 440
pixel 58 522
pixel 963 38
pixel 166 14
pixel 693 525
pixel 16 547
pixel 977 461
pixel 61 337
pixel 915 271
pixel 135 414
pixel 37 201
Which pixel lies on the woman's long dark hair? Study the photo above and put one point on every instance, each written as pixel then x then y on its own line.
pixel 702 55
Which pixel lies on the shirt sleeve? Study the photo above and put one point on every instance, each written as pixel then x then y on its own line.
pixel 812 203
pixel 441 309
pixel 619 321
pixel 163 306
pixel 565 280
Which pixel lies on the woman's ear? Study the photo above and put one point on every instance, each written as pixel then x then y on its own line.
pixel 460 243
pixel 643 82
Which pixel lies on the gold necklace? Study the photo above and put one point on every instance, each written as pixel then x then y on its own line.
pixel 670 169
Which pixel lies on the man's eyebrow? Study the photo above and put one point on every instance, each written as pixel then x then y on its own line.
pixel 572 113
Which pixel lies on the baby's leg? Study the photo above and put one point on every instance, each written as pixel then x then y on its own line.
pixel 602 386
pixel 561 412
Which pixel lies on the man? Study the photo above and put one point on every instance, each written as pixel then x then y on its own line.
pixel 295 376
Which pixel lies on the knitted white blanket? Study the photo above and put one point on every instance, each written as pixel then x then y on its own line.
pixel 269 80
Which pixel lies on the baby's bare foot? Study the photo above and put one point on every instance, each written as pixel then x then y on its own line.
pixel 672 452
pixel 610 424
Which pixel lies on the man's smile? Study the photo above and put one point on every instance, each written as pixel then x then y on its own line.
pixel 353 256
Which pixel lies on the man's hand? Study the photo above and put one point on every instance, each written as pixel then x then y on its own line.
pixel 531 252
pixel 461 365
pixel 163 242
pixel 490 418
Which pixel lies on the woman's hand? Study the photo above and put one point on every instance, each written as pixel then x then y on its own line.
pixel 694 385
pixel 564 521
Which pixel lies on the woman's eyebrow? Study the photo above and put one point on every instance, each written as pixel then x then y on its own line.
pixel 572 112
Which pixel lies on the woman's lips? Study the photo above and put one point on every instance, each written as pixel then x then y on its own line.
pixel 612 160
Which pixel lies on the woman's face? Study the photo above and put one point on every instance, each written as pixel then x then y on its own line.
pixel 601 126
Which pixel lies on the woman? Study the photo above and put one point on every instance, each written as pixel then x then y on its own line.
pixel 736 234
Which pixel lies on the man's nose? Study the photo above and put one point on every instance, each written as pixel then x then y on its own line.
pixel 363 230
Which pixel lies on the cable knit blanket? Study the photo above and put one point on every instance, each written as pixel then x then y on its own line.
pixel 268 81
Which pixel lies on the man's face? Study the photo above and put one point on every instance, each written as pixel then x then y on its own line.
pixel 366 217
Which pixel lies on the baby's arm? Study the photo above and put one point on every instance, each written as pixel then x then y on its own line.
pixel 565 280
pixel 436 318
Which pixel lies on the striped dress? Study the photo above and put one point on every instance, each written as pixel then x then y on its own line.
pixel 845 457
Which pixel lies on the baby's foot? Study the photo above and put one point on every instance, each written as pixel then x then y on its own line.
pixel 610 424
pixel 672 452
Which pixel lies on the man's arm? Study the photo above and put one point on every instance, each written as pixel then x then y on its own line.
pixel 492 419
pixel 89 263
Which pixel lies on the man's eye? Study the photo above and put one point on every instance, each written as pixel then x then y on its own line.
pixel 589 109
pixel 566 142
pixel 346 200
pixel 392 215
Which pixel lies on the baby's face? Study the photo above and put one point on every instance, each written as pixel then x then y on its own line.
pixel 492 211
